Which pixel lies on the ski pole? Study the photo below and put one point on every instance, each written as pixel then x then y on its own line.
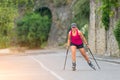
pixel 66 58
pixel 94 58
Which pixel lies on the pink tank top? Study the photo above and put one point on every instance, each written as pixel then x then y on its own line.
pixel 76 39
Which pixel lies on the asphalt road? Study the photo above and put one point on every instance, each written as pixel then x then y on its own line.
pixel 48 65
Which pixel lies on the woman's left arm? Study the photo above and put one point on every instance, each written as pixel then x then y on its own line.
pixel 82 37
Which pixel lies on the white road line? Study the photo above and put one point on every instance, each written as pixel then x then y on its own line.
pixel 47 69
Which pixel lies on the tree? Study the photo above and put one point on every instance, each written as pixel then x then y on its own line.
pixel 8 13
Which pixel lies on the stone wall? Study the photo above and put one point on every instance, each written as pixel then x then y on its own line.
pixel 112 45
pixel 102 42
pixel 61 21
pixel 61 16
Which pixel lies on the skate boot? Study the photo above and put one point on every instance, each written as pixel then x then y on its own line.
pixel 91 65
pixel 74 66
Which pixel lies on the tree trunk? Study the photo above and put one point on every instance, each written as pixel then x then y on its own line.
pixel 91 32
pixel 96 35
pixel 100 33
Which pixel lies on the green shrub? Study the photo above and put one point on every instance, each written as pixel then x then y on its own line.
pixel 107 6
pixel 117 33
pixel 105 17
pixel 33 30
pixel 7 15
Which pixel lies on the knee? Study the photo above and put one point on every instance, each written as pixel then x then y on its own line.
pixel 84 55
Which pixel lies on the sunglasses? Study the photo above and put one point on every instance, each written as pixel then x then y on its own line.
pixel 73 27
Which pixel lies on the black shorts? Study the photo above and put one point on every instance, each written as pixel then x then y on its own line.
pixel 78 46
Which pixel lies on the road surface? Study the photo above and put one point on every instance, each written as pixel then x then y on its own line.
pixel 48 65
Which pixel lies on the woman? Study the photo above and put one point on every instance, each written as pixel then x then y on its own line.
pixel 75 41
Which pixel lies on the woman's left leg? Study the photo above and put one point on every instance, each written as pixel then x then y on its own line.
pixel 83 52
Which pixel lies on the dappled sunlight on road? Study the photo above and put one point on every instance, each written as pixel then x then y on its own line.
pixel 21 68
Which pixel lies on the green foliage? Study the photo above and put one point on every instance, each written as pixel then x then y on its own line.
pixel 81 13
pixel 84 30
pixel 27 4
pixel 8 12
pixel 105 16
pixel 81 8
pixel 33 29
pixel 117 33
pixel 107 11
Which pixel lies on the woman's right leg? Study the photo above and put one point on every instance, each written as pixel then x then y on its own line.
pixel 73 50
